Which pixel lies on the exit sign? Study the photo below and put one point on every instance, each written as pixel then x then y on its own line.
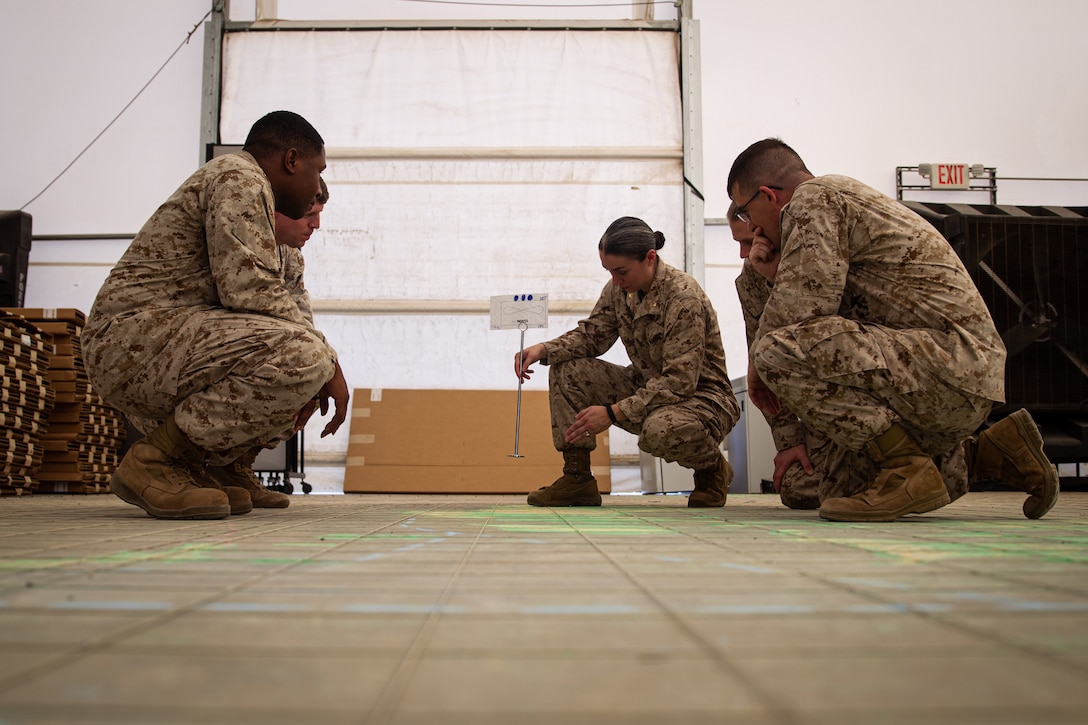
pixel 949 176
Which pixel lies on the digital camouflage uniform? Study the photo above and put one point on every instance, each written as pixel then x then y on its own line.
pixel 675 395
pixel 834 470
pixel 798 490
pixel 873 320
pixel 206 316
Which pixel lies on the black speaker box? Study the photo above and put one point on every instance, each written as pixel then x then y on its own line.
pixel 14 257
pixel 1031 265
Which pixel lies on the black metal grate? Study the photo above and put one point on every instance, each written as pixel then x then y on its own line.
pixel 1035 272
pixel 1030 265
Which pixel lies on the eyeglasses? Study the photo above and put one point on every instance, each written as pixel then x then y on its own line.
pixel 742 211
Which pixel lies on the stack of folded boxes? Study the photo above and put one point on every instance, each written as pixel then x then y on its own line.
pixel 26 400
pixel 83 440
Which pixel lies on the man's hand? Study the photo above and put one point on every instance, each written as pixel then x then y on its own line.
pixel 303 415
pixel 760 395
pixel 337 390
pixel 784 459
pixel 764 255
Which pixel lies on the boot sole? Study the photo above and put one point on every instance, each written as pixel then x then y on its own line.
pixel 272 505
pixel 583 502
pixel 123 492
pixel 1030 433
pixel 921 506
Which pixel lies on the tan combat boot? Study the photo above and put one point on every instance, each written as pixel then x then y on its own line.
pixel 908 483
pixel 576 487
pixel 711 486
pixel 239 476
pixel 1012 451
pixel 240 501
pixel 155 475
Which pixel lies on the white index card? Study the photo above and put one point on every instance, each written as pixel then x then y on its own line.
pixel 519 311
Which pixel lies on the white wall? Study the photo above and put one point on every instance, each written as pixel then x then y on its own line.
pixel 67 68
pixel 857 87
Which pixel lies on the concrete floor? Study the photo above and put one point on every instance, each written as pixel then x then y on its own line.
pixel 479 609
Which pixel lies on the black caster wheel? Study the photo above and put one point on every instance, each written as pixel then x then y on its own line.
pixel 306 488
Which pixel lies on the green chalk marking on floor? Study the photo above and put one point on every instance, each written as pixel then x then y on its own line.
pixel 543 521
pixel 26 564
pixel 182 552
pixel 301 545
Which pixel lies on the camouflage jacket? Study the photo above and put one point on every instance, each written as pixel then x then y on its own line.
pixel 210 245
pixel 671 336
pixel 850 251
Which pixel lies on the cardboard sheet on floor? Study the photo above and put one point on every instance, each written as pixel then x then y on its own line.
pixel 455 441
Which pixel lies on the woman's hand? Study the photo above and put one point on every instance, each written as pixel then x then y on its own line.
pixel 525 358
pixel 588 423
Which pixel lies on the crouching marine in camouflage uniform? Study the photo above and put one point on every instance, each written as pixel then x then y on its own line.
pixel 197 337
pixel 875 337
pixel 675 396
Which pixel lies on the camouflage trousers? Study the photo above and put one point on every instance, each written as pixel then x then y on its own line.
pixel 689 433
pixel 849 383
pixel 233 381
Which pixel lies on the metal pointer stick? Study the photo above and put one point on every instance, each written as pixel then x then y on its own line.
pixel 517 424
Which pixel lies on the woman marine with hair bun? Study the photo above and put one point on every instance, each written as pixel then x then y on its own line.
pixel 675 395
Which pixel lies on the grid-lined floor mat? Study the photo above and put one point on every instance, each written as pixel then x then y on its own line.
pixel 451 610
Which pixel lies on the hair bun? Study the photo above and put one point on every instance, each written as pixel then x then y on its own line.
pixel 660 240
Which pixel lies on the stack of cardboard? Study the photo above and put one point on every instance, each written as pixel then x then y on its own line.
pixel 83 440
pixel 26 400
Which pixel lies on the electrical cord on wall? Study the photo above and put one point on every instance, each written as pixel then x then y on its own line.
pixel 121 112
